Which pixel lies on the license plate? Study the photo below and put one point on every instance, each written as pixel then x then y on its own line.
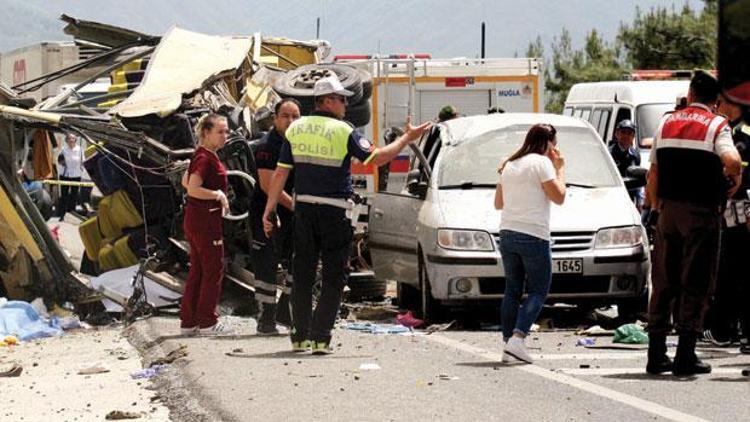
pixel 567 266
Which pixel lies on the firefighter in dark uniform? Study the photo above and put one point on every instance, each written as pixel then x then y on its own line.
pixel 694 166
pixel 267 252
pixel 730 303
pixel 320 148
pixel 625 154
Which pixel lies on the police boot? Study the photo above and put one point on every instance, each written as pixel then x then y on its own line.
pixel 686 362
pixel 267 320
pixel 658 361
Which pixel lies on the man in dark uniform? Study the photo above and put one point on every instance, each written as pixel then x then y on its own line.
pixel 692 158
pixel 730 304
pixel 320 148
pixel 625 154
pixel 269 252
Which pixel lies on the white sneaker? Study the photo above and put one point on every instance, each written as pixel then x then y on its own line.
pixel 515 347
pixel 506 358
pixel 189 331
pixel 218 329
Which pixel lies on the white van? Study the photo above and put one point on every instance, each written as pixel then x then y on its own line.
pixel 604 104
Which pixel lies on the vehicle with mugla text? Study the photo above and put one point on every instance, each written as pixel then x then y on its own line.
pixel 438 237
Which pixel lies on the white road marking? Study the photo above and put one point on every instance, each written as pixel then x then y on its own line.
pixel 622 371
pixel 638 403
pixel 587 355
pixel 590 356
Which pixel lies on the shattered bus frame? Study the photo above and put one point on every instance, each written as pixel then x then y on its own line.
pixel 127 127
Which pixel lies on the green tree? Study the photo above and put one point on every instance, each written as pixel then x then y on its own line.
pixel 597 61
pixel 668 39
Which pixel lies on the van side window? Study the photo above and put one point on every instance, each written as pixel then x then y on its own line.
pixel 567 111
pixel 595 116
pixel 602 124
pixel 585 113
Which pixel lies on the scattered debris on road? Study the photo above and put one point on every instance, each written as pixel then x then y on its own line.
pixel 14 370
pixel 631 334
pixel 97 368
pixel 117 415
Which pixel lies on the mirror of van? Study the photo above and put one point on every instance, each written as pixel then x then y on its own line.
pixel 734 43
pixel 636 177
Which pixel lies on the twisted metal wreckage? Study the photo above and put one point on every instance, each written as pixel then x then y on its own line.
pixel 140 137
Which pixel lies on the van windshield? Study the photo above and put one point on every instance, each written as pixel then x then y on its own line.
pixel 474 161
pixel 647 118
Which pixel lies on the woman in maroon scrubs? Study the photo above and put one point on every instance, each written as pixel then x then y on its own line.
pixel 206 183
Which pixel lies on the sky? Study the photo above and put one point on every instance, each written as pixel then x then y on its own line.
pixel 442 28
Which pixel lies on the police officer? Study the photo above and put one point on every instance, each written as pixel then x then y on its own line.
pixel 691 154
pixel 625 154
pixel 319 149
pixel 269 252
pixel 729 304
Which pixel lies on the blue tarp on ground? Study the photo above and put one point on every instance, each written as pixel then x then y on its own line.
pixel 19 319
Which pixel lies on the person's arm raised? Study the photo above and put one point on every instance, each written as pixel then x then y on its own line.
pixel 555 188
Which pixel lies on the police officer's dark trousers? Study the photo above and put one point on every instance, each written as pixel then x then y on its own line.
pixel 729 304
pixel 684 266
pixel 684 269
pixel 322 233
pixel 266 256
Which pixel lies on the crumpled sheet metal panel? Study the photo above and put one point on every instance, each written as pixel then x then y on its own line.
pixel 182 62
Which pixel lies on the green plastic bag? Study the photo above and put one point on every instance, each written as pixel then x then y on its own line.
pixel 631 334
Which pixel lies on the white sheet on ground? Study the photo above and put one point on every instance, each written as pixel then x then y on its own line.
pixel 119 281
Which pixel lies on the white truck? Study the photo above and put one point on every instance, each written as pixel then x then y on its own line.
pixel 30 62
pixel 420 86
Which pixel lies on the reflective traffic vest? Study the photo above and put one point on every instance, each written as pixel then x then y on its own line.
pixel 319 140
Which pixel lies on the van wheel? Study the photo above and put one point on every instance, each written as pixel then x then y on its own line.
pixel 430 310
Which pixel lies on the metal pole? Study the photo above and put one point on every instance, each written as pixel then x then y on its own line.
pixel 482 56
pixel 317 29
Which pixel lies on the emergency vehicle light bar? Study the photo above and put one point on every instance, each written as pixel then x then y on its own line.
pixel 658 75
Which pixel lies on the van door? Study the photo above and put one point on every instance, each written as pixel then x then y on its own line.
pixel 393 227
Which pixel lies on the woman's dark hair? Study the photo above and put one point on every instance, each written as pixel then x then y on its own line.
pixel 206 123
pixel 535 143
pixel 283 101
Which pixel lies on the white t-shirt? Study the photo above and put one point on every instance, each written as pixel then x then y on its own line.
pixel 525 205
pixel 73 161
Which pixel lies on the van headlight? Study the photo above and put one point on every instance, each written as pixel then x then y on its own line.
pixel 465 240
pixel 620 237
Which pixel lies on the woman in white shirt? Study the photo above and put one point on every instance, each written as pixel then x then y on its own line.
pixel 530 180
pixel 71 160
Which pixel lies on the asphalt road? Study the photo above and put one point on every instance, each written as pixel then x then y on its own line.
pixel 451 375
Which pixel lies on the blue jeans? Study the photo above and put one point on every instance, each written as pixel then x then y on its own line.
pixel 526 260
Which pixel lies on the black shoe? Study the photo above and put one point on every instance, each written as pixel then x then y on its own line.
pixel 745 349
pixel 696 367
pixel 656 367
pixel 267 320
pixel 267 329
pixel 658 361
pixel 685 361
